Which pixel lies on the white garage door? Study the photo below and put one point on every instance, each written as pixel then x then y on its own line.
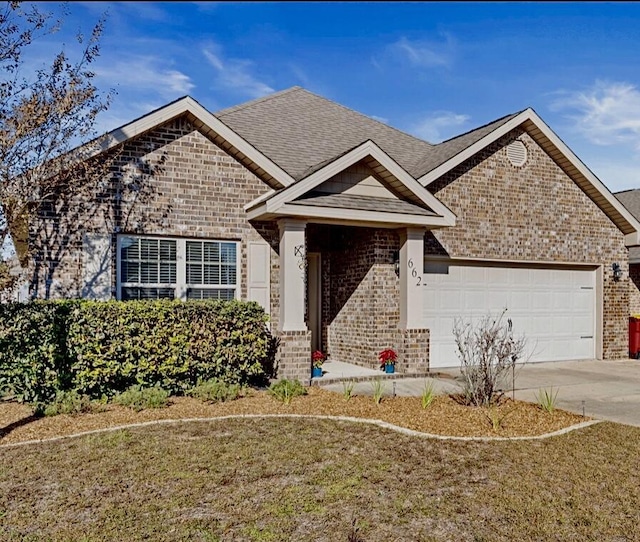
pixel 553 308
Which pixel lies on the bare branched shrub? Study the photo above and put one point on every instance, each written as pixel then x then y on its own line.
pixel 488 352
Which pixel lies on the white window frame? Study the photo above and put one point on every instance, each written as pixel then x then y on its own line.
pixel 181 285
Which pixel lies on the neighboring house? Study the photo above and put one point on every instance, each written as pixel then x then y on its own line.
pixel 353 235
pixel 631 200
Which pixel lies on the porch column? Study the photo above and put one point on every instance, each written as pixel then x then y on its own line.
pixel 293 269
pixel 411 271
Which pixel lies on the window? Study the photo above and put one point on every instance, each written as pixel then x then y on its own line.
pixel 211 270
pixel 155 268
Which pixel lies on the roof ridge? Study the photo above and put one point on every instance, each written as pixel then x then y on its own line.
pixel 256 101
pixel 626 190
pixel 366 116
pixel 511 115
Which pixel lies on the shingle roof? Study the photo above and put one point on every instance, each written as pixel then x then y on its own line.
pixel 364 203
pixel 442 152
pixel 299 130
pixel 631 200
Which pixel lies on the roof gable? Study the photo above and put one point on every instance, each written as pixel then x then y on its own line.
pixel 261 165
pixel 413 199
pixel 558 151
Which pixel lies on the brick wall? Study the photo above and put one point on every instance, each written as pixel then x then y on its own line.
pixel 361 295
pixel 173 182
pixel 294 356
pixel 532 213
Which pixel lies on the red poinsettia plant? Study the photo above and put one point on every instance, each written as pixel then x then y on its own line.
pixel 387 357
pixel 318 358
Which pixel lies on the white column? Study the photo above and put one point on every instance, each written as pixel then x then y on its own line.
pixel 411 271
pixel 293 269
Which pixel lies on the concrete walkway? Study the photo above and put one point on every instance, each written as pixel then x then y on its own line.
pixel 607 390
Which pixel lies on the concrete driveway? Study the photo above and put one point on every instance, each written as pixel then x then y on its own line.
pixel 608 390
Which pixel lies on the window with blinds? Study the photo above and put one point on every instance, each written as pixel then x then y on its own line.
pixel 211 270
pixel 155 268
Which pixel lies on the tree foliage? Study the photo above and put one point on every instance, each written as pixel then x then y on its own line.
pixel 47 120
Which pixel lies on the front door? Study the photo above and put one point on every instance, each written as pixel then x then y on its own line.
pixel 314 304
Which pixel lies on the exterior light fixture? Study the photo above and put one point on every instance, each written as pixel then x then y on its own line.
pixel 617 272
pixel 396 263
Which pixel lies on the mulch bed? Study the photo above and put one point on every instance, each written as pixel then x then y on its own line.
pixel 445 416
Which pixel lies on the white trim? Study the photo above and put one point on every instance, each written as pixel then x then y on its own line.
pixel 181 286
pixel 470 151
pixel 259 199
pixel 368 148
pixel 358 215
pixel 189 105
pixel 524 263
pixel 631 238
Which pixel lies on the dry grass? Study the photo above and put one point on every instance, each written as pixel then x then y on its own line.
pixel 287 479
pixel 319 480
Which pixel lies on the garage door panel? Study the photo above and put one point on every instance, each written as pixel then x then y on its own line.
pixel 553 308
pixel 582 325
pixel 583 300
pixel 474 299
pixel 540 300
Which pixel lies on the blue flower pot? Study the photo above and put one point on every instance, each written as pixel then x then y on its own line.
pixel 316 372
pixel 389 369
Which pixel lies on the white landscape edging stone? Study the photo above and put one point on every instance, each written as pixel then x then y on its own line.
pixel 379 423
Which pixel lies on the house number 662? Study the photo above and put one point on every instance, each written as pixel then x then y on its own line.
pixel 414 272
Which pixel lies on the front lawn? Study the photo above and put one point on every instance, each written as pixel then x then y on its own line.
pixel 306 479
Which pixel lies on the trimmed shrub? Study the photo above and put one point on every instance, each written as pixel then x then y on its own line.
pixel 140 398
pixel 34 361
pixel 102 348
pixel 215 391
pixel 68 402
pixel 168 343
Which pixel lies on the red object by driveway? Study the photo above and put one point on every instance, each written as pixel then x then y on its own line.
pixel 634 337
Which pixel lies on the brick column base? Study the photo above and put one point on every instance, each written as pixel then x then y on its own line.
pixel 294 356
pixel 413 351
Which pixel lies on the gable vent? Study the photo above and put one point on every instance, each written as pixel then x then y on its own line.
pixel 517 153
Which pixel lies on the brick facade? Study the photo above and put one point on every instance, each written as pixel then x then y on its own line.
pixel 175 182
pixel 532 213
pixel 170 182
pixel 361 298
pixel 294 356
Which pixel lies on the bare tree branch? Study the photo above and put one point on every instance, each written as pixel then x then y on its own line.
pixel 47 121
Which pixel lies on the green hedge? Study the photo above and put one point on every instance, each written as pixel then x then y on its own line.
pixel 34 361
pixel 101 348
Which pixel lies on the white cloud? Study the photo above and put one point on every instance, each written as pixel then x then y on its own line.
pixel 419 53
pixel 439 126
pixel 234 73
pixel 608 113
pixel 146 73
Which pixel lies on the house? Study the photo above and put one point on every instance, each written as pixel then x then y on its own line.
pixel 353 236
pixel 631 200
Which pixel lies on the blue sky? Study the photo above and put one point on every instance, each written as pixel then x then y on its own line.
pixel 432 69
